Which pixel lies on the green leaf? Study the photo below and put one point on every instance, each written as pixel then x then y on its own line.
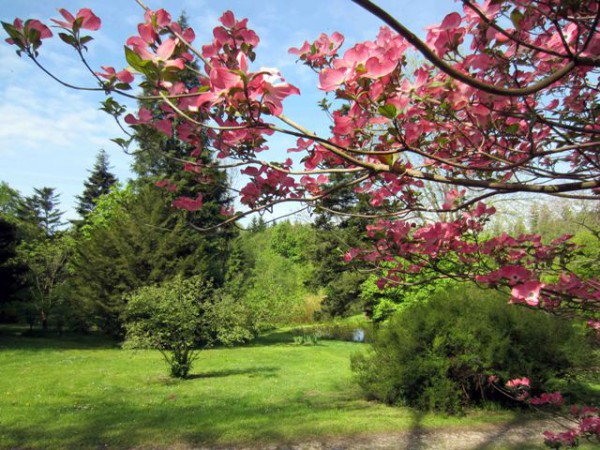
pixel 388 111
pixel 67 39
pixel 123 143
pixel 441 140
pixel 112 107
pixel 11 31
pixel 85 39
pixel 77 24
pixel 135 60
pixel 516 18
pixel 33 35
pixel 123 86
pixel 513 129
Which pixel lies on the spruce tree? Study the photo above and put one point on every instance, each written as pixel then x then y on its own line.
pixel 40 212
pixel 134 239
pixel 160 157
pixel 98 183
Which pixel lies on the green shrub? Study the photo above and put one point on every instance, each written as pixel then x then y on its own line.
pixel 168 318
pixel 439 354
pixel 305 337
pixel 179 316
pixel 226 320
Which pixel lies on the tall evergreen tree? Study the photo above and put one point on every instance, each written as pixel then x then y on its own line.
pixel 40 211
pixel 133 239
pixel 160 158
pixel 98 183
pixel 335 235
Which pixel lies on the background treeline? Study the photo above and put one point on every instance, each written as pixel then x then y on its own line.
pixel 78 276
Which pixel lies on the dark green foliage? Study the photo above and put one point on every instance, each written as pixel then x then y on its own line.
pixel 342 294
pixel 335 235
pixel 134 238
pixel 240 265
pixel 438 355
pixel 257 224
pixel 98 183
pixel 160 158
pixel 339 280
pixel 11 270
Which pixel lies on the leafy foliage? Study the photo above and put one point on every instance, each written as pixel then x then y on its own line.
pixel 382 302
pixel 269 273
pixel 47 262
pixel 167 318
pixel 178 316
pixel 11 269
pixel 440 354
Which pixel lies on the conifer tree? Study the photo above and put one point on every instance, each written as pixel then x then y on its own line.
pixel 40 212
pixel 159 160
pixel 99 182
pixel 134 239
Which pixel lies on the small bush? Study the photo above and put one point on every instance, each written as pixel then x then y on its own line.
pixel 438 355
pixel 179 316
pixel 168 318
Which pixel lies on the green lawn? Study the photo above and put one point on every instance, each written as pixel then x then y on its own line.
pixel 68 393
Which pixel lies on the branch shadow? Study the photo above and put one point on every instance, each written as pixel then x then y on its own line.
pixel 264 371
pixel 417 435
pixel 518 434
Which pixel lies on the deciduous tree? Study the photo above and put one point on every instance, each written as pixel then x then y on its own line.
pixel 516 112
pixel 507 102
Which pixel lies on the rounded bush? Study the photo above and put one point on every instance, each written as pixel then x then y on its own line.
pixel 440 354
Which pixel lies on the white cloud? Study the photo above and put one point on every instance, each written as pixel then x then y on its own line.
pixel 43 120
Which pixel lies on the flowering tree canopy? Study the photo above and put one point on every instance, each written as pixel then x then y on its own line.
pixel 506 101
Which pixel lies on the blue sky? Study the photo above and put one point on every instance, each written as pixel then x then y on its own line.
pixel 49 135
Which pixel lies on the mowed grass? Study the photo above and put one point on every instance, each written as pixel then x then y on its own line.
pixel 88 393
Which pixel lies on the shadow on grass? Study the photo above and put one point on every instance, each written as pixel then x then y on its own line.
pixel 113 423
pixel 25 340
pixel 417 433
pixel 265 371
pixel 277 337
